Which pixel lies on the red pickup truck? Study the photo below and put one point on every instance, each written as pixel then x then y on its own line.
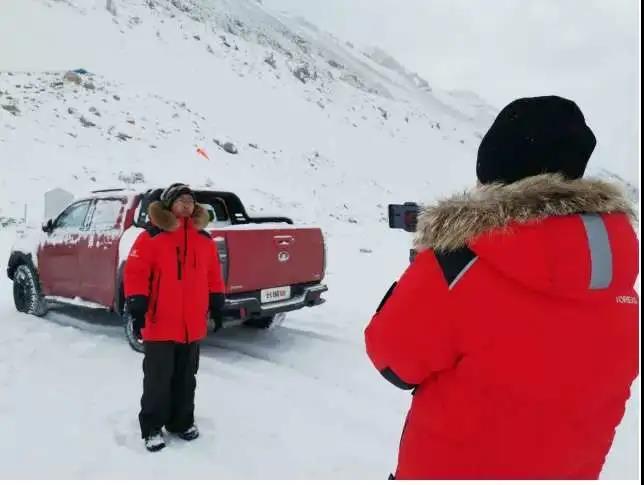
pixel 270 267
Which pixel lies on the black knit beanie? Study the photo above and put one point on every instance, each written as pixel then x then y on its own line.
pixel 533 136
pixel 173 192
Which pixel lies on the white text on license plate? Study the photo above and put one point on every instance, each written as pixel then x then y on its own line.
pixel 276 294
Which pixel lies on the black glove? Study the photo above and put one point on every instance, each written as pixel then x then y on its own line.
pixel 216 305
pixel 137 306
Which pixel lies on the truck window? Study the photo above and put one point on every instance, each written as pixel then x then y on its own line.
pixel 215 205
pixel 216 208
pixel 107 214
pixel 73 217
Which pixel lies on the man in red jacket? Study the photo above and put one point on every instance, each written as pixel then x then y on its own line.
pixel 516 325
pixel 172 280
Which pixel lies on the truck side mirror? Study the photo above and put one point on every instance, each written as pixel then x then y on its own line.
pixel 48 226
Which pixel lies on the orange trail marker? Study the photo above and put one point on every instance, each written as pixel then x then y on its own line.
pixel 202 152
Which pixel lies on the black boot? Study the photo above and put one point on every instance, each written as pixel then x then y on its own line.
pixel 192 433
pixel 155 442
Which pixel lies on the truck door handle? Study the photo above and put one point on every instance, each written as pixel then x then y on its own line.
pixel 283 241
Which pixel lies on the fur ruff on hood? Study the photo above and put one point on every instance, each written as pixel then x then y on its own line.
pixel 167 221
pixel 452 223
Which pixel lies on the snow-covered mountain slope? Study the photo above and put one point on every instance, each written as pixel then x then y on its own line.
pixel 299 104
pixel 325 132
pixel 170 76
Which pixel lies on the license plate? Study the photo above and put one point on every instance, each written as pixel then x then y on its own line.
pixel 270 295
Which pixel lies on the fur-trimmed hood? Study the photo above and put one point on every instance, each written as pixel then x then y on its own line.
pixel 167 221
pixel 453 222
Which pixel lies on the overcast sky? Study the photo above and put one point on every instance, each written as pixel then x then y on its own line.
pixel 585 50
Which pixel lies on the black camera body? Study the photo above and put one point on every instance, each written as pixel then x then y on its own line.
pixel 404 216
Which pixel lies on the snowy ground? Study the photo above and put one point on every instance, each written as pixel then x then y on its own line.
pixel 298 401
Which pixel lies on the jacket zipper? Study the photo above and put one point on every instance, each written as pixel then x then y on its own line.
pixel 185 257
pixel 156 298
pixel 185 241
pixel 178 264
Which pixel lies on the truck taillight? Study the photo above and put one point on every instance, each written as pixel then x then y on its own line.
pixel 324 256
pixel 222 251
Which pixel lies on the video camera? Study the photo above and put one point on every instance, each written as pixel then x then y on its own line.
pixel 404 216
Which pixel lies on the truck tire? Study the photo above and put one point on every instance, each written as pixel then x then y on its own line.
pixel 135 343
pixel 27 296
pixel 264 323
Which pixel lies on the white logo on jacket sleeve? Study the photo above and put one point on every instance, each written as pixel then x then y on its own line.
pixel 626 300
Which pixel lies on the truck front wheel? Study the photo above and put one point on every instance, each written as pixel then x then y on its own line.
pixel 26 292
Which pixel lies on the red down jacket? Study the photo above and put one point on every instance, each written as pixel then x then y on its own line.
pixel 176 266
pixel 517 326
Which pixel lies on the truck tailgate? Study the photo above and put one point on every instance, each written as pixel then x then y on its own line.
pixel 269 258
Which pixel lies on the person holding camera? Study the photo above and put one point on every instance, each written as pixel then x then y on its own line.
pixel 172 280
pixel 516 325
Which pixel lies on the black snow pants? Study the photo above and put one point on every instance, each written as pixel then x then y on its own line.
pixel 169 382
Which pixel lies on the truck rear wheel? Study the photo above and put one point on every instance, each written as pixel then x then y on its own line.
pixel 26 291
pixel 135 343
